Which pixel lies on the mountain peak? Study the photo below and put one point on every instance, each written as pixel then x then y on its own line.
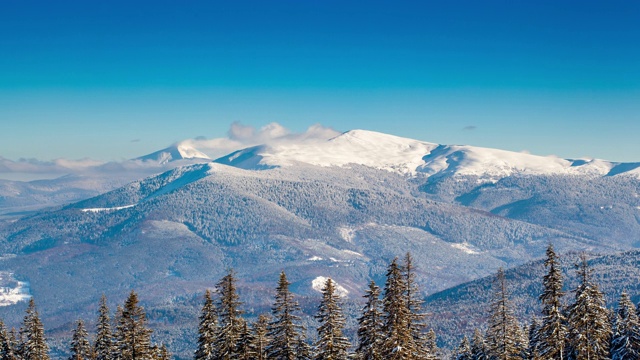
pixel 411 157
pixel 179 151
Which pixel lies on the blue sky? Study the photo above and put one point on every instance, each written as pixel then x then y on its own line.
pixel 112 80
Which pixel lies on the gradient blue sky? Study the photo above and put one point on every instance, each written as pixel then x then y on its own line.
pixel 112 80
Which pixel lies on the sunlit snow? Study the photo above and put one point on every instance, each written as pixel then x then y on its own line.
pixel 410 157
pixel 11 290
pixel 108 209
pixel 318 284
pixel 467 248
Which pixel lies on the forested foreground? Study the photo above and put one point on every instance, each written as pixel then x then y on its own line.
pixel 391 326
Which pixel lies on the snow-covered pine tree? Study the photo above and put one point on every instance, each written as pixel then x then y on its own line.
pixel 331 343
pixel 207 330
pixel 503 333
pixel 103 346
pixel 398 342
pixel 80 347
pixel 416 316
pixel 625 343
pixel 7 344
pixel 115 353
pixel 551 337
pixel 478 346
pixel 284 328
pixel 245 348
pixel 463 352
pixel 133 336
pixel 230 321
pixel 430 345
pixel 533 339
pixel 303 349
pixel 588 321
pixel 370 326
pixel 33 345
pixel 259 339
pixel 160 352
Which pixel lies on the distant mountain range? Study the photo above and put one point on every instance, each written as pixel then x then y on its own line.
pixel 341 208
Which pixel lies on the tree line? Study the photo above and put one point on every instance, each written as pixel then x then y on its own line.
pixel 391 325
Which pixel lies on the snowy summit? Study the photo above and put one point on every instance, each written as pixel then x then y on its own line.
pixel 410 157
pixel 175 152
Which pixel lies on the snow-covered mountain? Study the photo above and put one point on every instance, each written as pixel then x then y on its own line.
pixel 175 152
pixel 341 208
pixel 411 157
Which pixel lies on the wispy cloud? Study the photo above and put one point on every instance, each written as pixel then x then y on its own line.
pixel 239 136
pixel 469 128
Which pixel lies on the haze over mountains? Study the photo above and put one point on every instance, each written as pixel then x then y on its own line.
pixel 340 208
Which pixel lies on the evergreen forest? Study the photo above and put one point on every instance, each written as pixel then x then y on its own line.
pixel 391 325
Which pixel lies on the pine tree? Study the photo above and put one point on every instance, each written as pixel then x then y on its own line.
pixel 33 345
pixel 625 343
pixel 229 320
pixel 303 349
pixel 133 337
pixel 533 330
pixel 478 346
pixel 589 327
pixel 398 342
pixel 504 332
pixel 463 352
pixel 7 344
pixel 80 347
pixel 207 330
pixel 550 340
pixel 416 318
pixel 103 346
pixel 331 343
pixel 284 328
pixel 370 326
pixel 246 351
pixel 259 338
pixel 160 352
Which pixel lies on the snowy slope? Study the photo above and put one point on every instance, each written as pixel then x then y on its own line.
pixel 410 157
pixel 174 153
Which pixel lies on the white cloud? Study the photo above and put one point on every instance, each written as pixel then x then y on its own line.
pixel 242 136
pixel 238 137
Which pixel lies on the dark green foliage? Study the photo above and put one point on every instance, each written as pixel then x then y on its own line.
pixel 479 349
pixel 331 343
pixel 588 322
pixel 422 347
pixel 259 338
pixel 33 345
pixel 284 329
pixel 245 349
pixel 625 342
pixel 503 334
pixel 207 330
pixel 230 323
pixel 398 342
pixel 133 340
pixel 7 344
pixel 80 347
pixel 103 346
pixel 370 333
pixel 551 335
pixel 463 352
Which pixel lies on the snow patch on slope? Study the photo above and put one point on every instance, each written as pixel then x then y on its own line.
pixel 318 284
pixel 95 210
pixel 11 290
pixel 466 247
